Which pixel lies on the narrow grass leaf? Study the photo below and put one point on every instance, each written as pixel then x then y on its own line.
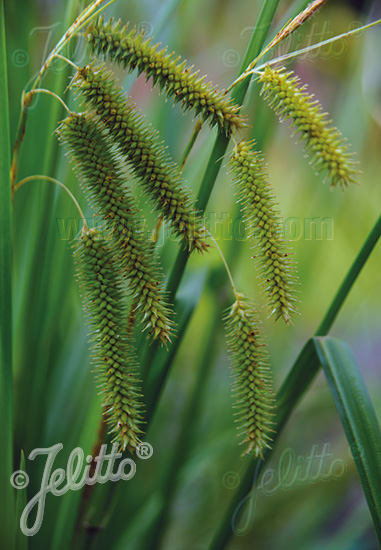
pixel 21 540
pixel 357 416
pixel 6 382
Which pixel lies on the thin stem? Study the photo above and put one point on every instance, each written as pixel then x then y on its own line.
pixel 21 128
pixel 225 264
pixel 190 144
pixel 314 46
pixel 156 231
pixel 78 24
pixel 49 92
pixel 53 180
pixel 68 61
pixel 291 26
pixel 80 21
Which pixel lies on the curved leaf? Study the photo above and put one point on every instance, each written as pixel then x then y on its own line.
pixel 357 416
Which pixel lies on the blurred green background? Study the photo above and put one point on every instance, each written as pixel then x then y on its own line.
pixel 55 396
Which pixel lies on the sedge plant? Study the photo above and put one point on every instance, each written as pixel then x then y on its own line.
pixel 130 296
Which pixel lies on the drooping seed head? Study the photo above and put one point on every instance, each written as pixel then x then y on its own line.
pixel 112 346
pixel 322 142
pixel 97 166
pixel 143 152
pixel 130 49
pixel 263 220
pixel 252 391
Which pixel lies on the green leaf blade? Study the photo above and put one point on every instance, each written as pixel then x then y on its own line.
pixel 21 540
pixel 6 424
pixel 358 417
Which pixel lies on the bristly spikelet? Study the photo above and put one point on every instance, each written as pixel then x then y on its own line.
pixel 99 172
pixel 145 154
pixel 323 142
pixel 264 224
pixel 112 41
pixel 113 350
pixel 252 386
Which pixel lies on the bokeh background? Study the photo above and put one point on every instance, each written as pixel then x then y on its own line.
pixel 56 399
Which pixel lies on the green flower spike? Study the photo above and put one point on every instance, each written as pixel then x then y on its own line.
pixel 323 142
pixel 145 154
pixel 130 49
pixel 264 223
pixel 112 347
pixel 252 385
pixel 98 169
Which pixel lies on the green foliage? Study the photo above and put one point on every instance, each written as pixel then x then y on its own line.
pixel 324 143
pixel 184 388
pixel 20 541
pixel 113 41
pixel 264 223
pixel 113 349
pixel 357 416
pixel 252 387
pixel 6 382
pixel 98 168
